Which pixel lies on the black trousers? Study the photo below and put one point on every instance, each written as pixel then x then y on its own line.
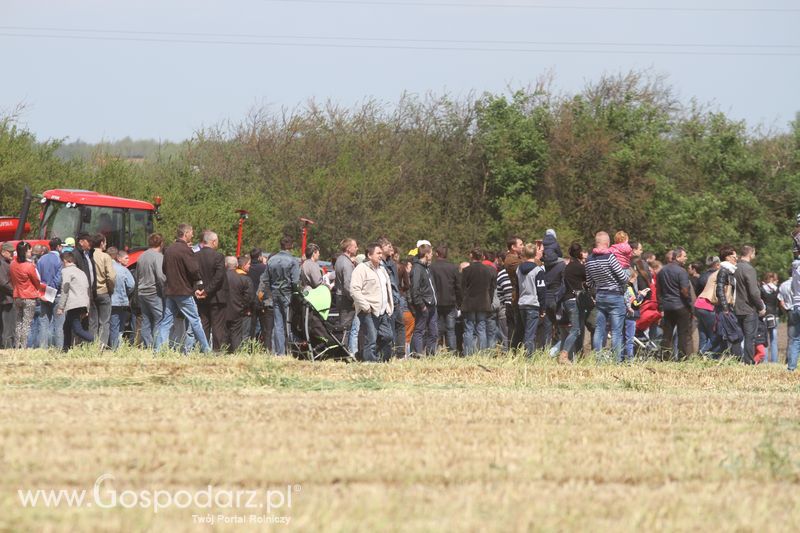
pixel 682 318
pixel 260 317
pixel 235 329
pixel 749 325
pixel 347 314
pixel 516 326
pixel 213 319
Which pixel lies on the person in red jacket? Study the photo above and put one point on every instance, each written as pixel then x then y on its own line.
pixel 26 283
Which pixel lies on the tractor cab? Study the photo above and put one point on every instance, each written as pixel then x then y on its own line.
pixel 125 223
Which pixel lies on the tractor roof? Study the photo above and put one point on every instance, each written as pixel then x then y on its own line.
pixel 82 197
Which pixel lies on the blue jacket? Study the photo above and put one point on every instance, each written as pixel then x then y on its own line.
pixel 282 275
pixel 49 267
pixel 123 287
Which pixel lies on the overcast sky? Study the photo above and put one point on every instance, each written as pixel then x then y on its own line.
pixel 102 70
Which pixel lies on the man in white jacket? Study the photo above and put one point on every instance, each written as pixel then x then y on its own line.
pixel 371 290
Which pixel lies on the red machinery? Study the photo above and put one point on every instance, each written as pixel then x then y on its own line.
pixel 243 215
pixel 306 223
pixel 126 223
pixel 8 228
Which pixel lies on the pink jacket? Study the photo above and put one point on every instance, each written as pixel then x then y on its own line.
pixel 623 252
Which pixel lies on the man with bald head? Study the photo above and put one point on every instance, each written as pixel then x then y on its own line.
pixel 241 299
pixel 215 282
pixel 605 275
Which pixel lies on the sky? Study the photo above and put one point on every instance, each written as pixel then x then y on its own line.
pixel 97 70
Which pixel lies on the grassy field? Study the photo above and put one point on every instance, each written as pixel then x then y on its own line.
pixel 493 442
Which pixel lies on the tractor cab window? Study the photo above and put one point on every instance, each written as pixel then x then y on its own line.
pixel 60 221
pixel 140 226
pixel 107 221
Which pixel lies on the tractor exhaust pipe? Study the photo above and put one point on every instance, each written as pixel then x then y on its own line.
pixel 23 214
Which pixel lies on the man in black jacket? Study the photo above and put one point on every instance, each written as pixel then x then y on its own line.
pixel 554 267
pixel 422 302
pixel 675 301
pixel 240 290
pixel 478 282
pixel 261 311
pixel 8 316
pixel 749 306
pixel 215 283
pixel 184 284
pixel 448 295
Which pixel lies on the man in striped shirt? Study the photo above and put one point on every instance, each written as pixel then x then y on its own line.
pixel 511 263
pixel 607 277
pixel 504 292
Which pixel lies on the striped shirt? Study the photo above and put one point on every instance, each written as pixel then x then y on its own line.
pixel 504 287
pixel 604 273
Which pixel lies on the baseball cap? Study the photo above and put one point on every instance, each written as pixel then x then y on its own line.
pixel 423 241
pixel 69 241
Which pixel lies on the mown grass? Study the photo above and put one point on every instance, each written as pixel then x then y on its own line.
pixel 497 441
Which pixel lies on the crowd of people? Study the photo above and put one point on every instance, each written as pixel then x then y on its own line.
pixel 529 296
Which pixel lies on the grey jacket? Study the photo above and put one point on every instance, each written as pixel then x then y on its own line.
pixel 150 276
pixel 532 292
pixel 344 272
pixel 281 276
pixel 74 289
pixel 748 295
pixel 310 274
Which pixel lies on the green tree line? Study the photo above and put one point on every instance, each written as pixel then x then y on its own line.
pixel 623 153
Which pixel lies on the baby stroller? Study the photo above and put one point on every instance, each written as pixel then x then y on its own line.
pixel 314 337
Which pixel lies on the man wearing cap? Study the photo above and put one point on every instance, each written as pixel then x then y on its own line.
pixel 51 325
pixel 7 313
pixel 69 245
pixel 84 259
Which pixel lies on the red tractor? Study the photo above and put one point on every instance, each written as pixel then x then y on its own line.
pixel 68 212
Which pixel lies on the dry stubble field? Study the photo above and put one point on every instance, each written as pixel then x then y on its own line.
pixel 489 443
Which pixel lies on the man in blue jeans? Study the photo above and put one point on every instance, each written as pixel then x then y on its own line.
pixel 478 283
pixel 371 289
pixel 281 277
pixel 794 319
pixel 532 292
pixel 446 281
pixel 184 284
pixel 422 302
pixel 606 276
pixel 51 324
